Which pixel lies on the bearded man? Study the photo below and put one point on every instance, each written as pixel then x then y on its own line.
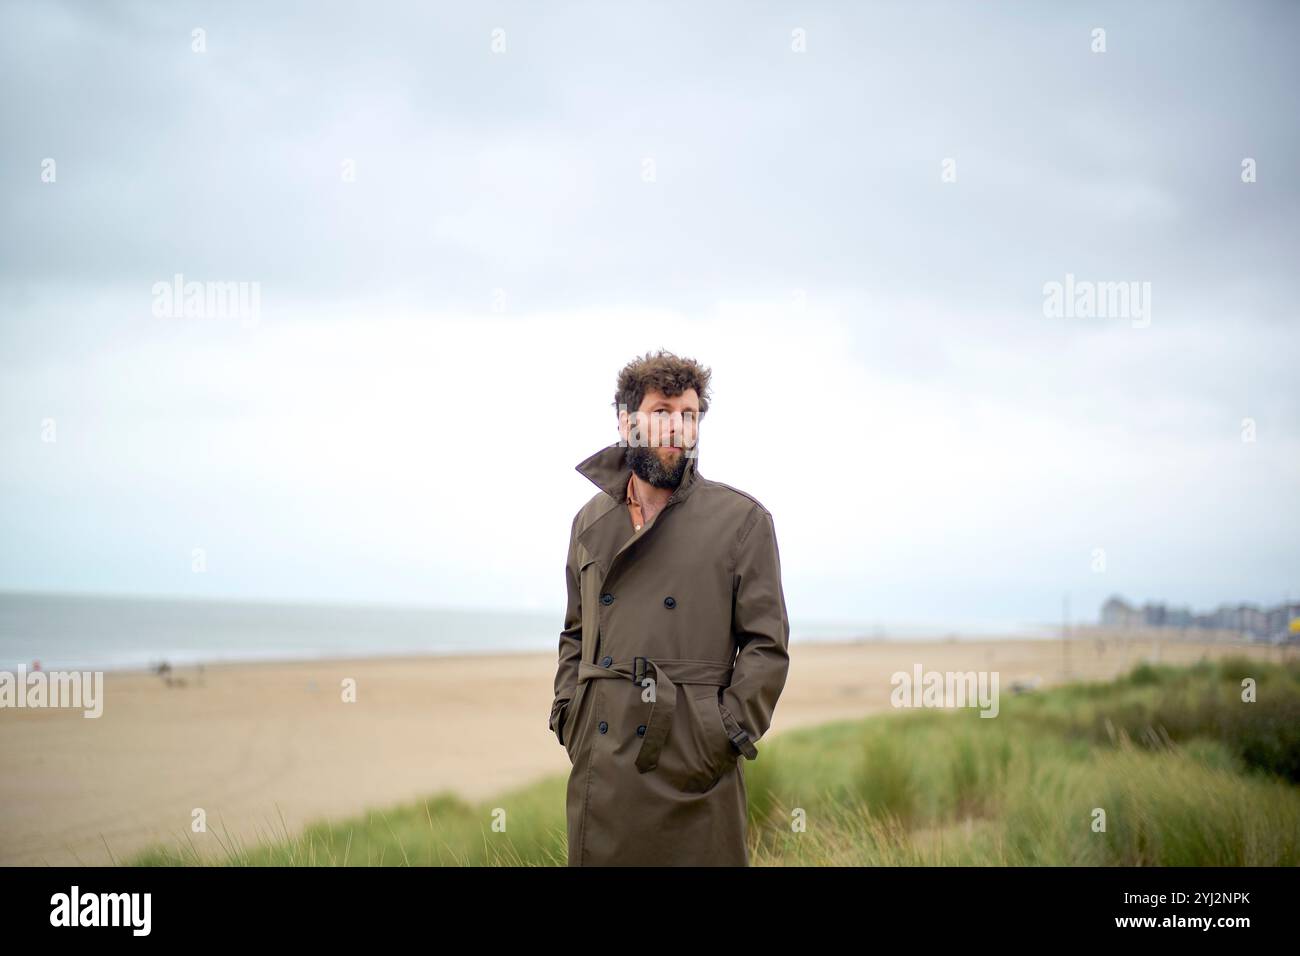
pixel 675 641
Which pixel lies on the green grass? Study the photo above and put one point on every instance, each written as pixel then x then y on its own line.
pixel 1185 772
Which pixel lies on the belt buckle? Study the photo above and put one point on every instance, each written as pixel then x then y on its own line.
pixel 644 672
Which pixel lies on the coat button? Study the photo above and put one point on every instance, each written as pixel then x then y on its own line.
pixel 640 731
pixel 670 602
pixel 606 661
pixel 603 726
pixel 607 598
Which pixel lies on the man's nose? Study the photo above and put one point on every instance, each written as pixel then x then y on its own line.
pixel 675 431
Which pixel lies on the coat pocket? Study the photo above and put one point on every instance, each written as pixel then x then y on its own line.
pixel 698 751
pixel 571 731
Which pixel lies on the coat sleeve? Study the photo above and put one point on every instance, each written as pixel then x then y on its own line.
pixel 570 653
pixel 761 628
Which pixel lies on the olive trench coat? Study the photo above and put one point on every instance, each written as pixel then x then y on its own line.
pixel 672 657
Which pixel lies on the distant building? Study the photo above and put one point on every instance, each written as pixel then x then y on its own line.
pixel 1276 624
pixel 1119 613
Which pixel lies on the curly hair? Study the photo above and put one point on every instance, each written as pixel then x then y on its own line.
pixel 664 372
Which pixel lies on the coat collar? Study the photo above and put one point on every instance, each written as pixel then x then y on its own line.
pixel 609 471
pixel 606 538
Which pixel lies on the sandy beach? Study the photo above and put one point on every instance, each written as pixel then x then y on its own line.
pixel 268 746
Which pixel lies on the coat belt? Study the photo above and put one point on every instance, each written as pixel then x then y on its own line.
pixel 665 693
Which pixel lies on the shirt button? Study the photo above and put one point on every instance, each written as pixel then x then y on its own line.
pixel 670 602
pixel 640 731
pixel 607 598
pixel 606 661
pixel 603 726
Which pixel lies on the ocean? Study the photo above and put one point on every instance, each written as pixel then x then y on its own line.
pixel 71 632
pixel 67 632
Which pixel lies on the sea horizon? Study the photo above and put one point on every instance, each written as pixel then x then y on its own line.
pixel 124 632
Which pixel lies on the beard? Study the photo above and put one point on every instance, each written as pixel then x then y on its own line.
pixel 647 464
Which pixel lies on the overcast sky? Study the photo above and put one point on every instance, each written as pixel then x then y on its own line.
pixel 456 247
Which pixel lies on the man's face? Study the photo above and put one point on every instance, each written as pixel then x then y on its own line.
pixel 660 436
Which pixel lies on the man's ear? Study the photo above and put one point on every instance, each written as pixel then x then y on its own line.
pixel 622 424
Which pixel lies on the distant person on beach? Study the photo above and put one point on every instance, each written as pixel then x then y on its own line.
pixel 675 641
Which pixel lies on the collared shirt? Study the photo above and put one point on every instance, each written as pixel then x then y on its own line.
pixel 633 505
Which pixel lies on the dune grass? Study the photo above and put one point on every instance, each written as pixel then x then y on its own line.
pixel 1184 771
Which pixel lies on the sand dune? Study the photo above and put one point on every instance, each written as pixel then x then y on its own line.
pixel 264 746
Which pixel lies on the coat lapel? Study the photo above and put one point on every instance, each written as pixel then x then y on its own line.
pixel 610 534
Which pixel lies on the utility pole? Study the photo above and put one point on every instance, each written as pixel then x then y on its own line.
pixel 1065 635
